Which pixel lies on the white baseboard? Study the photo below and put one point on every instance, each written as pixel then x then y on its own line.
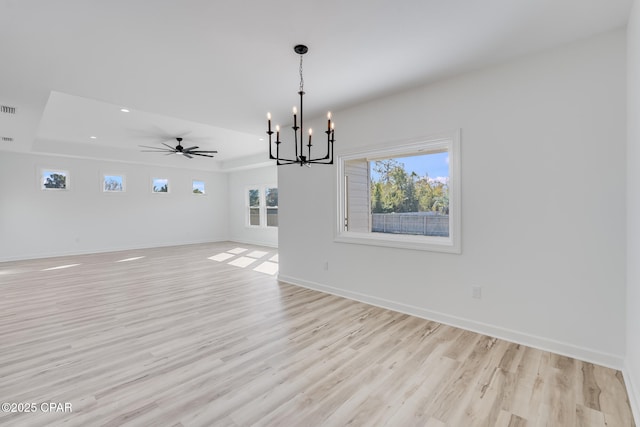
pixel 633 391
pixel 541 343
pixel 254 242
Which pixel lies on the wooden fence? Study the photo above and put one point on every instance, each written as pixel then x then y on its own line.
pixel 418 223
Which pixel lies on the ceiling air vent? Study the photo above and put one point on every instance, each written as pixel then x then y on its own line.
pixel 7 139
pixel 7 110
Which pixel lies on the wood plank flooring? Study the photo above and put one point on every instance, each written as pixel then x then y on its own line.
pixel 177 339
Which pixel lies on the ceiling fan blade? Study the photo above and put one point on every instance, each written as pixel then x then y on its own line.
pixel 153 148
pixel 169 150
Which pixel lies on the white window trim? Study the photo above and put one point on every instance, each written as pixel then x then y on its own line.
pixel 449 141
pixel 193 181
pixel 124 182
pixel 262 197
pixel 247 206
pixel 65 172
pixel 153 178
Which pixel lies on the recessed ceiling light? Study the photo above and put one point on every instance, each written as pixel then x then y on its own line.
pixel 261 139
pixel 93 137
pixel 124 110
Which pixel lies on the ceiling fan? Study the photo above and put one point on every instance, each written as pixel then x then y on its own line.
pixel 187 152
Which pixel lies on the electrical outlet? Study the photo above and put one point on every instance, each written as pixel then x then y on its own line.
pixel 476 292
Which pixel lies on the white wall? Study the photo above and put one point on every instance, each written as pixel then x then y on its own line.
pixel 239 181
pixel 543 196
pixel 632 361
pixel 36 223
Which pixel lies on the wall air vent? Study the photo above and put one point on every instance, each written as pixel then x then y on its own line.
pixel 7 110
pixel 7 139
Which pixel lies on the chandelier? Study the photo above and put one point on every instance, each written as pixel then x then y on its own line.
pixel 325 156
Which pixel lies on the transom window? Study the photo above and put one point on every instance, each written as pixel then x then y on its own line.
pixel 404 195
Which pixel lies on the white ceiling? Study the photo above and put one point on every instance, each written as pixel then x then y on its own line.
pixel 210 70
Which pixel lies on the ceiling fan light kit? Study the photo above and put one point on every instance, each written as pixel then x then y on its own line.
pixel 188 152
pixel 298 132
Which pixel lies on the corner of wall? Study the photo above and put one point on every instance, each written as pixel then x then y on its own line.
pixel 632 358
pixel 633 390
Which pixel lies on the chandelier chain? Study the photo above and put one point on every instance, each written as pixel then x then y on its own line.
pixel 301 78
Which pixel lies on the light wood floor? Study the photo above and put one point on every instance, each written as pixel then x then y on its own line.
pixel 177 339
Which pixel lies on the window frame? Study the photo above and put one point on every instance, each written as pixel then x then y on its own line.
pixel 248 207
pixel 449 141
pixel 262 208
pixel 153 182
pixel 123 179
pixel 50 171
pixel 193 187
pixel 266 207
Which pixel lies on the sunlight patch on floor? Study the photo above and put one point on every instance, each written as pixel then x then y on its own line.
pixel 237 250
pixel 130 259
pixel 248 260
pixel 267 268
pixel 243 261
pixel 60 267
pixel 257 254
pixel 221 257
pixel 6 272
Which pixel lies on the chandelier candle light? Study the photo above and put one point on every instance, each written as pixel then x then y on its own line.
pixel 300 158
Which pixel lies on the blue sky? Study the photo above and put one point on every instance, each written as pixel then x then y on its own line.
pixel 160 182
pixel 113 183
pixel 47 174
pixel 199 185
pixel 433 164
pixel 115 178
